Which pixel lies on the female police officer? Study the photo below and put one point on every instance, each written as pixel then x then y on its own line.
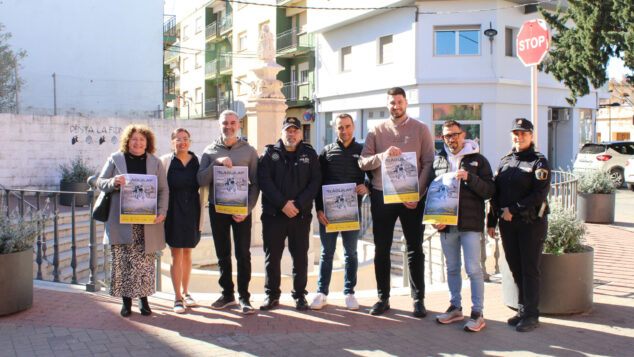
pixel 522 184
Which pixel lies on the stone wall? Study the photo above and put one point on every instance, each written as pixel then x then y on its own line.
pixel 33 147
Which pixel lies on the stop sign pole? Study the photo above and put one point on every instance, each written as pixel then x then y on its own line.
pixel 532 45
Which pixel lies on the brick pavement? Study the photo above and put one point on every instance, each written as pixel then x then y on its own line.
pixel 64 323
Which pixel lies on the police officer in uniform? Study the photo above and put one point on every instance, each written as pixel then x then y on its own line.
pixel 289 177
pixel 519 206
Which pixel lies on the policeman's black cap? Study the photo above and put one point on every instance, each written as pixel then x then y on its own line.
pixel 291 121
pixel 522 124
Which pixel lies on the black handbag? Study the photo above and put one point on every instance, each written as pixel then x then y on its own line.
pixel 101 209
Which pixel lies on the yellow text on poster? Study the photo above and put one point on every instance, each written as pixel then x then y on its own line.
pixel 231 209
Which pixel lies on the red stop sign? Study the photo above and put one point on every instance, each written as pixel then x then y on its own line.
pixel 533 42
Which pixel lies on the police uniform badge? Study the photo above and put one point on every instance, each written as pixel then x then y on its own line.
pixel 541 174
pixel 275 156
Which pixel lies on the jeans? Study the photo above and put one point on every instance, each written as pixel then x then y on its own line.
pixel 451 241
pixel 328 245
pixel 220 225
pixel 383 220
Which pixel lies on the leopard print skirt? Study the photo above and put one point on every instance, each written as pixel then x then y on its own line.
pixel 132 270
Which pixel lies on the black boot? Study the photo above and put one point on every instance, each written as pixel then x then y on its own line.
pixel 145 306
pixel 513 321
pixel 527 323
pixel 126 309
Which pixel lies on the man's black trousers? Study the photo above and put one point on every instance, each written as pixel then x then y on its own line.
pixel 275 229
pixel 383 220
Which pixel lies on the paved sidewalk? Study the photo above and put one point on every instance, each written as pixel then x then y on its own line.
pixel 69 322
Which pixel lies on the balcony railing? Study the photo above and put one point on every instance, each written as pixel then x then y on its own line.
pixel 211 30
pixel 214 106
pixel 169 27
pixel 225 62
pixel 171 52
pixel 226 22
pixel 292 39
pixel 297 92
pixel 211 67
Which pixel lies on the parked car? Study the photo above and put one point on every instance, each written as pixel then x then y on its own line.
pixel 609 156
pixel 629 173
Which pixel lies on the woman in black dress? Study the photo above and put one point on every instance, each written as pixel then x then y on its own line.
pixel 182 225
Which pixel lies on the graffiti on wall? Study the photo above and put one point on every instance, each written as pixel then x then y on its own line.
pixel 89 134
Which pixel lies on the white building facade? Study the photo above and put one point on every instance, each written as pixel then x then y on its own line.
pixel 106 56
pixel 449 69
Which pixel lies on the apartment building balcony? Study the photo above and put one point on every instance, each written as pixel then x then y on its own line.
pixel 290 43
pixel 225 63
pixel 226 24
pixel 169 85
pixel 170 30
pixel 171 53
pixel 211 31
pixel 214 106
pixel 298 94
pixel 211 69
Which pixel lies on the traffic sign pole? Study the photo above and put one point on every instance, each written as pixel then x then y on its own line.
pixel 533 43
pixel 534 117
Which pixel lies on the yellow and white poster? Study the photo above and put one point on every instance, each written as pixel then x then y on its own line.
pixel 231 189
pixel 442 200
pixel 138 199
pixel 400 178
pixel 341 207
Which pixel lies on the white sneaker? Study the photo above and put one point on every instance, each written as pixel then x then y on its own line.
pixel 319 302
pixel 178 307
pixel 452 314
pixel 351 302
pixel 189 301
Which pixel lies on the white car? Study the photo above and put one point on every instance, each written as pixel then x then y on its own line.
pixel 629 173
pixel 610 157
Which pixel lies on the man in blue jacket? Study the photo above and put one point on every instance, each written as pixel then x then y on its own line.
pixel 289 177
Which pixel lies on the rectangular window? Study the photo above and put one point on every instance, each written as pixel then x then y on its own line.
pixel 242 41
pixel 185 100
pixel 306 133
pixel 242 87
pixel 303 72
pixel 345 59
pixel 185 32
pixel 198 59
pixel 385 49
pixel 329 127
pixel 185 65
pixel 459 41
pixel 199 24
pixel 509 42
pixel 199 95
pixel 468 115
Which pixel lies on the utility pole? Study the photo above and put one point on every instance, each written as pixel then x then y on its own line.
pixel 17 85
pixel 54 94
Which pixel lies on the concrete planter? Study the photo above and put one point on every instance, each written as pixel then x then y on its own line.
pixel 596 207
pixel 565 287
pixel 66 199
pixel 16 282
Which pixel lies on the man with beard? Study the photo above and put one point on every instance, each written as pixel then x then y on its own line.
pixel 289 177
pixel 461 157
pixel 392 137
pixel 230 150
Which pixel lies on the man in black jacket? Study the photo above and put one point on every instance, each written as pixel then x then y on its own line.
pixel 461 158
pixel 289 177
pixel 339 164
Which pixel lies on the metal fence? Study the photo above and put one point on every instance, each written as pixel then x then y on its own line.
pixel 23 202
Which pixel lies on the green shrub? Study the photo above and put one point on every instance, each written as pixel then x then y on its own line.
pixel 566 233
pixel 596 181
pixel 77 170
pixel 17 233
